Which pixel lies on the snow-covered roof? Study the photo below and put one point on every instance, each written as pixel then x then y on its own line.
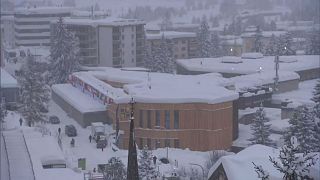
pixel 262 78
pixel 267 34
pixel 108 21
pixel 43 10
pixel 170 35
pixel 240 165
pixel 82 102
pixel 7 81
pixel 250 66
pixel 161 87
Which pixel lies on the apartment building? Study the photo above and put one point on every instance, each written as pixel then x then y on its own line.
pixel 109 42
pixel 32 25
pixel 184 44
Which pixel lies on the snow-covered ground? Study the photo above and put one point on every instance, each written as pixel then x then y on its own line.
pixel 302 95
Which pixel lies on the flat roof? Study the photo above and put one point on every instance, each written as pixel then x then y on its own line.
pixel 250 66
pixel 43 10
pixel 108 21
pixel 151 87
pixel 170 35
pixel 6 80
pixel 79 100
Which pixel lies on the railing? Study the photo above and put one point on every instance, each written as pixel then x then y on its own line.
pixel 25 143
pixel 4 140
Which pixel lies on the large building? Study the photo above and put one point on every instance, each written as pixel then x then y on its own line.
pixel 184 44
pixel 32 25
pixel 196 112
pixel 7 26
pixel 110 42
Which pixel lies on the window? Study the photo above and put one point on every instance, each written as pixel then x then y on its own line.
pixel 176 119
pixel 132 36
pixel 157 143
pixel 183 48
pixel 149 119
pixel 141 119
pixel 176 143
pixel 167 119
pixel 158 119
pixel 149 143
pixel 122 37
pixel 167 142
pixel 183 41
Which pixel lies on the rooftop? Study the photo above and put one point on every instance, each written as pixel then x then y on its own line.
pixel 107 21
pixel 250 66
pixel 43 10
pixel 170 35
pixel 7 81
pixel 160 87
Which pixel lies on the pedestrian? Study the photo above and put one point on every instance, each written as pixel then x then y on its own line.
pixel 20 121
pixel 72 142
pixel 102 149
pixel 154 160
pixel 90 138
pixel 59 131
pixel 29 123
pixel 98 138
pixel 94 170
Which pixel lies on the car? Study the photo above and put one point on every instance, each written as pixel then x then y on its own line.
pixel 54 120
pixel 101 143
pixel 70 130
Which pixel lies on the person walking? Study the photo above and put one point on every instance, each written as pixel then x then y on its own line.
pixel 20 121
pixel 59 131
pixel 90 138
pixel 72 142
pixel 154 160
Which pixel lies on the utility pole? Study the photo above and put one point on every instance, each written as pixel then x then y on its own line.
pixel 132 169
pixel 276 79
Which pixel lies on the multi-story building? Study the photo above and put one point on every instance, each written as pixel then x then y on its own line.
pixel 184 44
pixel 110 42
pixel 32 25
pixel 170 110
pixel 7 25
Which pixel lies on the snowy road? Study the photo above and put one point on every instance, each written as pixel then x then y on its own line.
pixel 19 160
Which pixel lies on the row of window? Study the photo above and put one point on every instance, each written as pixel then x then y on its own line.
pixel 32 23
pixel 31 30
pixel 157 118
pixel 156 143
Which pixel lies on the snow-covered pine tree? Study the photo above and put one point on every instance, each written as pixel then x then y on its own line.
pixel 204 40
pixel 115 170
pixel 258 46
pixel 3 109
pixel 261 130
pixel 316 93
pixel 302 127
pixel 162 58
pixel 147 169
pixel 216 47
pixel 313 43
pixel 293 165
pixel 285 45
pixel 270 49
pixel 262 174
pixel 35 93
pixel 64 54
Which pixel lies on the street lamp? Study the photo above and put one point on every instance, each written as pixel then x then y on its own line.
pixel 201 169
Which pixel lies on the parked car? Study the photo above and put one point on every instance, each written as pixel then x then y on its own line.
pixel 70 130
pixel 101 143
pixel 54 120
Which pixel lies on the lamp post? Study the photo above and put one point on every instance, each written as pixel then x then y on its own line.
pixel 201 169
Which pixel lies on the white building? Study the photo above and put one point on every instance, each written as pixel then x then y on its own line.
pixel 7 26
pixel 109 42
pixel 32 25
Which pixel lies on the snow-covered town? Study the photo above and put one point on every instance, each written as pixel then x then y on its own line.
pixel 160 90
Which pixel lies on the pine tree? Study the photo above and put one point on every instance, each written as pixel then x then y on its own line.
pixel 3 110
pixel 285 45
pixel 316 93
pixel 147 169
pixel 302 127
pixel 313 43
pixel 204 40
pixel 292 165
pixel 162 58
pixel 216 47
pixel 261 130
pixel 35 93
pixel 262 174
pixel 271 48
pixel 64 54
pixel 115 170
pixel 258 40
